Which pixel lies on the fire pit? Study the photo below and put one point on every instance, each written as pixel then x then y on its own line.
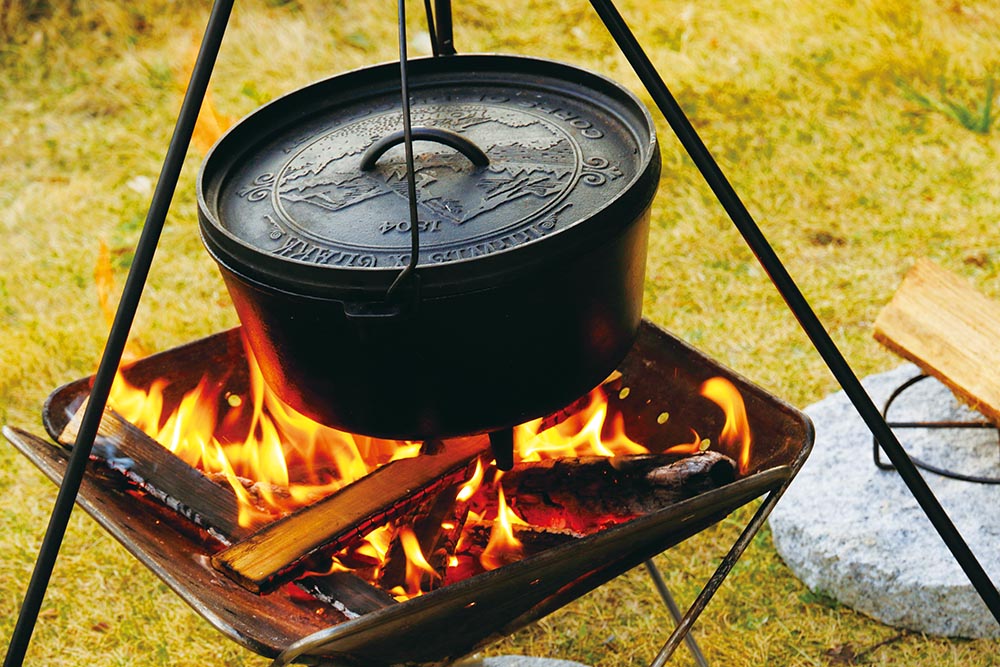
pixel 656 395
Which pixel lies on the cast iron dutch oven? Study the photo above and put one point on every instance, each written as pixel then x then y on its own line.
pixel 534 183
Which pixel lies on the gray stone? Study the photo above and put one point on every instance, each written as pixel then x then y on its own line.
pixel 854 532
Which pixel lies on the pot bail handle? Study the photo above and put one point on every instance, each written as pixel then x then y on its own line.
pixel 441 136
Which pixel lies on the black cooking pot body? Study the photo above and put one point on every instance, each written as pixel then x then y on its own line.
pixel 534 183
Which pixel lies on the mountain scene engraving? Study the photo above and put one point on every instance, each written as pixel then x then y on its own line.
pixel 321 185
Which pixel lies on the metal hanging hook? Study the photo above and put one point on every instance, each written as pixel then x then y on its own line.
pixel 411 177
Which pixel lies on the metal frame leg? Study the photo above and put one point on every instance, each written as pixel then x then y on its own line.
pixel 675 611
pixel 115 346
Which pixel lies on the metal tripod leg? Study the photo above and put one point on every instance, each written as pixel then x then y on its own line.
pixel 796 302
pixel 115 345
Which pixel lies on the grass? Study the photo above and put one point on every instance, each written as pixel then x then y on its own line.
pixel 851 178
pixel 978 120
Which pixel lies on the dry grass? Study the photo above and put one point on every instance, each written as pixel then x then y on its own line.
pixel 807 106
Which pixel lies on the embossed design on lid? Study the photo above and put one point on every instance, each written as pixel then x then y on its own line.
pixel 558 153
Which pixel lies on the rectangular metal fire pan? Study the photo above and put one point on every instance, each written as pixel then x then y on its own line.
pixel 663 375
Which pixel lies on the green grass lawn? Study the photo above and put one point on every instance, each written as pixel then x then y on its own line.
pixel 858 133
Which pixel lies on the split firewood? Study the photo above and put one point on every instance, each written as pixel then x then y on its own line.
pixel 161 473
pixel 940 322
pixel 270 556
pixel 587 494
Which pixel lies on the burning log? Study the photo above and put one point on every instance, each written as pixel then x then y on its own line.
pixel 155 469
pixel 590 493
pixel 435 541
pixel 162 474
pixel 271 556
pixel 532 539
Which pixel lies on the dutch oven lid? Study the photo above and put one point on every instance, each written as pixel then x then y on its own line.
pixel 300 195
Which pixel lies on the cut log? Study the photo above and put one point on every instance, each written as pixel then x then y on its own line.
pixel 162 474
pixel 945 326
pixel 588 494
pixel 270 556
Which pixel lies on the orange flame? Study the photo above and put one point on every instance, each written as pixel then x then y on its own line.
pixel 580 435
pixel 276 459
pixel 281 460
pixel 472 485
pixel 692 447
pixel 736 431
pixel 210 124
pixel 416 564
pixel 502 547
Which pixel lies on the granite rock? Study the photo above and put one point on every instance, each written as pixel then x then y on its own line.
pixel 855 533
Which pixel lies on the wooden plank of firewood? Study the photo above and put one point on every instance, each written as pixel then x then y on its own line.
pixel 349 593
pixel 942 324
pixel 269 557
pixel 162 474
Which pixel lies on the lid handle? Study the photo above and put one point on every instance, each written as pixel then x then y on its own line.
pixel 442 136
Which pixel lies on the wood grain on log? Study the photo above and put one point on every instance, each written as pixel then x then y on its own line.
pixel 161 473
pixel 941 323
pixel 269 557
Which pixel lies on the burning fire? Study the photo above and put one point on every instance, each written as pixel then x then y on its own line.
pixel 277 460
pixel 273 457
pixel 735 434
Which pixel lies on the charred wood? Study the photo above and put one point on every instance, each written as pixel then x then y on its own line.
pixel 587 494
pixel 427 521
pixel 162 474
pixel 347 592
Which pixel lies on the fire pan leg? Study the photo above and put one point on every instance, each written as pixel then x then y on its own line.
pixel 749 532
pixel 675 611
